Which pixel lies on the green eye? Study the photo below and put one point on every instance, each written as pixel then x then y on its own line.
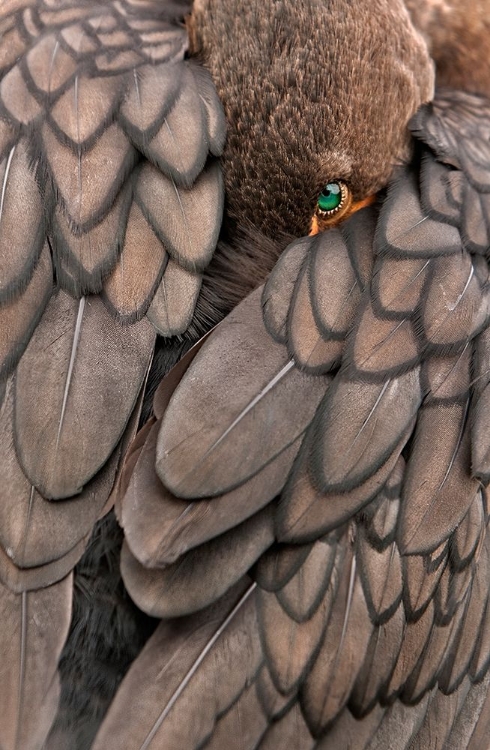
pixel 332 199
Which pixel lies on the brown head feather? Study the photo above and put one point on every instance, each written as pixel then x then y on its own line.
pixel 458 34
pixel 313 91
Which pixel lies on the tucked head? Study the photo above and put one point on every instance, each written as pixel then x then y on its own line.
pixel 314 91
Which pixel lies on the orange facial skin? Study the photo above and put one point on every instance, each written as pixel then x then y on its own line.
pixel 319 225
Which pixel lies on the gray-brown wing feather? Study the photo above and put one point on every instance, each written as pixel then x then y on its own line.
pixel 110 204
pixel 371 608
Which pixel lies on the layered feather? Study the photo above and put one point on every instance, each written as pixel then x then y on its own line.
pixel 371 604
pixel 111 201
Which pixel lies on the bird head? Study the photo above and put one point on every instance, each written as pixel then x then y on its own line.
pixel 317 94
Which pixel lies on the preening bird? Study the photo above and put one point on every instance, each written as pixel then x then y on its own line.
pixel 304 508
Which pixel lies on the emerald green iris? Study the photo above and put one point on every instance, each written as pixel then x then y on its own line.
pixel 331 197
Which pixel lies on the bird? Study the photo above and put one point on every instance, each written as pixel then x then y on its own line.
pixel 314 608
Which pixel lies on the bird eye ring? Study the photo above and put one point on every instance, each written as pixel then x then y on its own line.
pixel 333 200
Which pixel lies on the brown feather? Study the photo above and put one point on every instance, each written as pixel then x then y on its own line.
pixel 22 236
pixel 245 721
pixel 438 488
pixel 85 190
pixel 481 657
pixel 457 666
pixel 440 719
pixel 452 589
pixel 398 285
pixel 437 648
pixel 480 407
pixel 204 449
pixel 420 581
pixel 200 576
pixel 34 531
pixel 160 689
pixel 41 576
pixel 19 317
pixel 291 646
pixel 66 382
pixel 435 187
pixel 380 517
pixel 48 77
pixel 342 652
pixel 311 352
pixel 188 235
pixel 305 513
pixel 381 576
pixel 85 108
pixel 474 231
pixel 351 733
pixel 279 564
pixel 382 346
pixel 334 289
pixel 379 663
pixel 82 260
pixel 17 99
pixel 274 704
pixel 361 429
pixel 414 641
pixel 152 94
pixel 279 288
pixel 473 723
pixel 132 283
pixel 454 307
pixel 174 301
pixel 160 528
pixel 448 378
pixel 29 651
pixel 302 595
pixel 178 147
pixel 290 730
pixel 406 232
pixel 400 724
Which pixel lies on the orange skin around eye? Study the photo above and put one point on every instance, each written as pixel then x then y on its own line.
pixel 318 225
